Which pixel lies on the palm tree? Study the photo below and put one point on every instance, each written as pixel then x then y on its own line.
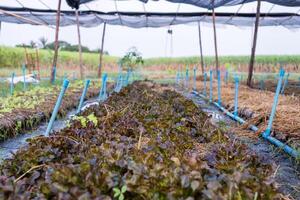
pixel 43 42
pixel 32 44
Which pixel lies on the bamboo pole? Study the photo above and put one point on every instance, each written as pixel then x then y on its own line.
pixel 215 35
pixel 252 58
pixel 56 46
pixel 200 45
pixel 101 51
pixel 79 45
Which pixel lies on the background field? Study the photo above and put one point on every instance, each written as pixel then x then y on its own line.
pixel 11 59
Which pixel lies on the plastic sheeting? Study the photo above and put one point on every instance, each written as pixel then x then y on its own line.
pixel 207 3
pixel 139 20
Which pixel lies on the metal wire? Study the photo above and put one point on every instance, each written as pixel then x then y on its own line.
pixel 45 23
pixel 116 7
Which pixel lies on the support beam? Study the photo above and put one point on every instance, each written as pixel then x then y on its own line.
pixel 56 45
pixel 215 35
pixel 79 45
pixel 200 45
pixel 101 51
pixel 252 58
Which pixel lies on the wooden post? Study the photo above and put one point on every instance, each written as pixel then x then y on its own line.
pixel 101 51
pixel 215 35
pixel 252 58
pixel 200 45
pixel 56 45
pixel 79 44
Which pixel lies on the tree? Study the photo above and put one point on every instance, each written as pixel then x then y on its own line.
pixel 43 42
pixel 132 59
pixel 32 44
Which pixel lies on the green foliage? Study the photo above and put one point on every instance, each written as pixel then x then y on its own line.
pixel 226 60
pixel 85 120
pixel 14 57
pixel 132 59
pixel 120 193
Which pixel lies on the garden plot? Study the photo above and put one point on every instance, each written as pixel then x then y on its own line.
pixel 26 110
pixel 146 142
pixel 255 106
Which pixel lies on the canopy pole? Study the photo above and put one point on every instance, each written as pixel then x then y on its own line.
pixel 101 51
pixel 200 45
pixel 215 35
pixel 56 45
pixel 252 58
pixel 79 44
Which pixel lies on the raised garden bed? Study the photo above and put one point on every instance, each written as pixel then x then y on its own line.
pixel 146 142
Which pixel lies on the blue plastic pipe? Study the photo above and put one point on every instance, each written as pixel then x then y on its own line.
pixel 236 96
pixel 204 88
pixel 54 74
pixel 262 84
pixel 285 83
pixel 57 105
pixel 219 87
pixel 12 83
pixel 187 78
pixel 194 83
pixel 210 86
pixel 226 77
pixel 103 94
pixel 24 76
pixel 268 130
pixel 86 85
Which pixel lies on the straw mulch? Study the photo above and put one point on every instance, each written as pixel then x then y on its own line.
pixel 256 105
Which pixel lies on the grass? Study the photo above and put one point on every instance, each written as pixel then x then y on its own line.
pixel 235 60
pixel 12 57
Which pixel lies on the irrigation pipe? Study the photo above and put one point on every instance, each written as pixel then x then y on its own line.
pixel 265 135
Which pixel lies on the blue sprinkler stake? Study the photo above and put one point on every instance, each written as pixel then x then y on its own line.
pixel 204 88
pixel 86 85
pixel 194 78
pixel 268 130
pixel 57 105
pixel 226 77
pixel 219 87
pixel 262 84
pixel 187 78
pixel 12 83
pixel 103 95
pixel 24 77
pixel 177 79
pixel 236 96
pixel 54 74
pixel 210 85
pixel 285 83
pixel 127 79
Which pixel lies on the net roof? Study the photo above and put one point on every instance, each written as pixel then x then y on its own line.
pixel 114 12
pixel 139 19
pixel 205 3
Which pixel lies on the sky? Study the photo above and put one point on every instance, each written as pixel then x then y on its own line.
pixel 155 42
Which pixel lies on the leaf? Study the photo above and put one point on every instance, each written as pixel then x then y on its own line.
pixel 124 189
pixel 116 191
pixel 121 197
